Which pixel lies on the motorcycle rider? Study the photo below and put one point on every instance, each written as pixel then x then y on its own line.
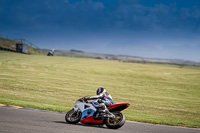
pixel 105 100
pixel 51 53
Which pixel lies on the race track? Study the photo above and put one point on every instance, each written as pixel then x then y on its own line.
pixel 34 121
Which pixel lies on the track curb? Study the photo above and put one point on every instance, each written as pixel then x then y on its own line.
pixel 31 109
pixel 11 106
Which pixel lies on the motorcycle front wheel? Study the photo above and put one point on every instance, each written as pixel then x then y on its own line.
pixel 117 122
pixel 72 117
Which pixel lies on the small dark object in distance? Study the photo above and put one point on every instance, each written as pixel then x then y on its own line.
pixel 51 53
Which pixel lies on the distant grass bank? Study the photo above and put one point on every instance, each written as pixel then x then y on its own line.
pixel 163 94
pixel 11 45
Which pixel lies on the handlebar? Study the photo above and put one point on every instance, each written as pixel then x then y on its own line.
pixel 84 99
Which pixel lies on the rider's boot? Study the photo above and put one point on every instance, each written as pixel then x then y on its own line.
pixel 106 113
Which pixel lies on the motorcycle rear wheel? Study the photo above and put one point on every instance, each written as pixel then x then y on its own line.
pixel 116 123
pixel 72 117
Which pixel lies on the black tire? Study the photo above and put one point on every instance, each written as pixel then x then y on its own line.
pixel 116 123
pixel 72 117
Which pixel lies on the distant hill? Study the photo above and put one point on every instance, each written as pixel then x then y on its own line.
pixel 7 43
pixel 11 45
pixel 121 58
pixel 79 51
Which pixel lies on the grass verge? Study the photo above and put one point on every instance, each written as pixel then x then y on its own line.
pixel 161 94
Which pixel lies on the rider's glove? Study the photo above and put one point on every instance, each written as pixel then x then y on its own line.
pixel 86 98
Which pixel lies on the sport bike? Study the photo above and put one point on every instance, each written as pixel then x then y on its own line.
pixel 89 113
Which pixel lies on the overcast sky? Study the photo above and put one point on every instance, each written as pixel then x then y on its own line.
pixel 167 29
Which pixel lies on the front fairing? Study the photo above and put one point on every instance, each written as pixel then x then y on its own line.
pixel 83 106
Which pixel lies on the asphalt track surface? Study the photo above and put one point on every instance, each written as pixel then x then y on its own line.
pixel 34 121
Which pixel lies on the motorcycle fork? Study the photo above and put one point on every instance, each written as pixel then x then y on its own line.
pixel 75 110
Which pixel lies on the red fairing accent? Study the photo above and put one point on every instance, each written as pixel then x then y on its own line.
pixel 117 105
pixel 90 120
pixel 105 96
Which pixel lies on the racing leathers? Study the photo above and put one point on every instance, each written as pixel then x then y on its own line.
pixel 104 101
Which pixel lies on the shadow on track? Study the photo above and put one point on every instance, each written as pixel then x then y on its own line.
pixel 80 124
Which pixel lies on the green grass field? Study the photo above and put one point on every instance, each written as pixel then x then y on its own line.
pixel 163 94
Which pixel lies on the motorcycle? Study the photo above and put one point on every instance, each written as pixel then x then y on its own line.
pixel 88 113
pixel 51 53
